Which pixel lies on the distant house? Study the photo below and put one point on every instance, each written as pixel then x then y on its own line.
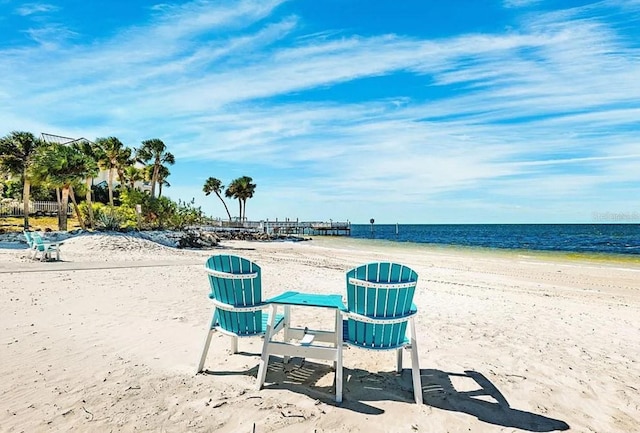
pixel 103 175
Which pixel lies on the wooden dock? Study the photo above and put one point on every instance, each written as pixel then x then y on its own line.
pixel 300 228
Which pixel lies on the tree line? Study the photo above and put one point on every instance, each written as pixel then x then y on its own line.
pixel 65 167
pixel 72 166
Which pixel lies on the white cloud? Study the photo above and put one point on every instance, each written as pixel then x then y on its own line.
pixel 520 3
pixel 29 9
pixel 218 82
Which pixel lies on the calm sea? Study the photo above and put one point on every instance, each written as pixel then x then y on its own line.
pixel 586 238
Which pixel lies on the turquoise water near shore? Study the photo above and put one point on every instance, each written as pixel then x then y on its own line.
pixel 573 238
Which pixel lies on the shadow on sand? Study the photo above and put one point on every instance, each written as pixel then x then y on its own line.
pixel 482 399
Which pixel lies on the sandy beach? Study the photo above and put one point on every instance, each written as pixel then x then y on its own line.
pixel 109 338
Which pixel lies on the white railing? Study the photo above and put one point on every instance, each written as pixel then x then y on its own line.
pixel 16 208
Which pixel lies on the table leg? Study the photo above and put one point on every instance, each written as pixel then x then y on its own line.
pixel 287 325
pixel 264 359
pixel 338 363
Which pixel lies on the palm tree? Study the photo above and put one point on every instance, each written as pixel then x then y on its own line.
pixel 90 150
pixel 215 185
pixel 154 151
pixel 232 192
pixel 123 160
pixel 133 174
pixel 163 174
pixel 247 188
pixel 242 189
pixel 16 156
pixel 61 166
pixel 113 155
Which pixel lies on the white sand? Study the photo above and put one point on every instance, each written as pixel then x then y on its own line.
pixel 109 339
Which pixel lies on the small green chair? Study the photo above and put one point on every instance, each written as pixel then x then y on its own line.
pixel 379 308
pixel 236 292
pixel 31 243
pixel 43 247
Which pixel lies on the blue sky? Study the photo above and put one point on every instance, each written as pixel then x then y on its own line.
pixel 406 111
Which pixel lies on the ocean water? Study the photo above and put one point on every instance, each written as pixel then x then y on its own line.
pixel 581 238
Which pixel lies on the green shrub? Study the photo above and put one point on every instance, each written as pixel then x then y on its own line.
pixel 160 212
pixel 12 189
pixel 187 214
pixel 99 209
pixel 108 221
pixel 157 213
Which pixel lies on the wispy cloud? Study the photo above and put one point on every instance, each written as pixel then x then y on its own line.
pixel 520 3
pixel 29 9
pixel 548 109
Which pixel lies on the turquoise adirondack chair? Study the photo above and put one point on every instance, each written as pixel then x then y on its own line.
pixel 236 292
pixel 379 308
pixel 39 245
pixel 30 242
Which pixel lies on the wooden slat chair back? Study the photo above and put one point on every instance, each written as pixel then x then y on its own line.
pixel 29 238
pixel 235 285
pixel 31 243
pixel 379 308
pixel 236 292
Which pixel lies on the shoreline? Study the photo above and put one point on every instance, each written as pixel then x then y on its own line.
pixel 202 238
pixel 597 257
pixel 15 241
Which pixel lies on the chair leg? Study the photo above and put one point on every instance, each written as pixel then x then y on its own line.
pixel 207 342
pixel 264 358
pixel 234 344
pixel 399 360
pixel 415 365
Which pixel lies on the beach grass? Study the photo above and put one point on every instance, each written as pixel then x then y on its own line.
pixel 16 224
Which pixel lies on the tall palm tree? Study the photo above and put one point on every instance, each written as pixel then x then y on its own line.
pixel 123 160
pixel 61 166
pixel 113 155
pixel 17 151
pixel 154 151
pixel 163 174
pixel 232 192
pixel 247 189
pixel 90 150
pixel 242 189
pixel 215 185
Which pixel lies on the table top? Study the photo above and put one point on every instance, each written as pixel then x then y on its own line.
pixel 308 300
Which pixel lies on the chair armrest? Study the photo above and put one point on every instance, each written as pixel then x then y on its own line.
pixel 229 307
pixel 229 275
pixel 51 244
pixel 412 311
pixel 380 320
pixel 382 285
